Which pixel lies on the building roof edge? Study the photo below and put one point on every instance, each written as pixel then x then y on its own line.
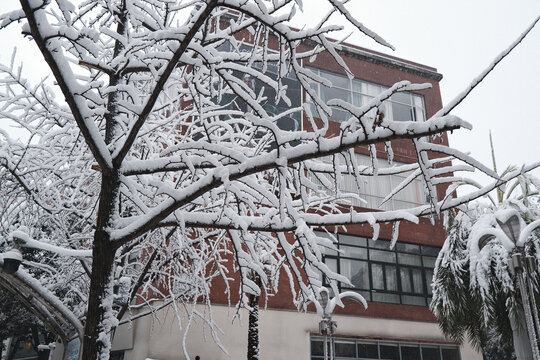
pixel 392 62
pixel 386 60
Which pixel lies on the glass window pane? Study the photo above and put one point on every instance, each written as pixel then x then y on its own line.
pixel 430 353
pixel 353 252
pixel 359 86
pixel 430 250
pixel 339 115
pixel 287 123
pixel 373 89
pixel 314 110
pixel 337 80
pixel 402 97
pixel 409 259
pixel 358 99
pixel 429 261
pixel 380 244
pixel 420 114
pixel 352 240
pixel 335 93
pixel 410 352
pixel 384 297
pixel 377 276
pixel 402 112
pixel 429 280
pixel 368 350
pixel 410 248
pixel 450 353
pixel 389 351
pixel 328 251
pixel 357 272
pixel 413 300
pixel 418 100
pixel 379 255
pixel 382 185
pixel 331 263
pixel 317 348
pixel 405 280
pixel 391 278
pixel 345 349
pixel 418 285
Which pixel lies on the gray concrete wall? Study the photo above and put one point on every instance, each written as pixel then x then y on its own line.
pixel 283 335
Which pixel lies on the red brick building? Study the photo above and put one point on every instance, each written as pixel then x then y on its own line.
pixel 396 282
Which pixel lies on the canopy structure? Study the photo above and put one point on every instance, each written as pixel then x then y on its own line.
pixel 42 303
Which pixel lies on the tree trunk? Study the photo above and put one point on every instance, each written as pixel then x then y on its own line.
pixel 100 318
pixel 253 328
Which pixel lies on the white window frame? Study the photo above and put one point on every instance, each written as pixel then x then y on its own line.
pixel 358 90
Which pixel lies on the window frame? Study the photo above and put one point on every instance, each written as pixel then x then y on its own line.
pixel 272 71
pixel 420 346
pixel 414 108
pixel 381 245
pixel 412 195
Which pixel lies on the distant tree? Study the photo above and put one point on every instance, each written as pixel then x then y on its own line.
pixel 161 159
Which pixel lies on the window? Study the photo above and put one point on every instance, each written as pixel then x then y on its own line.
pixel 366 349
pixel 401 106
pixel 400 276
pixel 373 189
pixel 292 122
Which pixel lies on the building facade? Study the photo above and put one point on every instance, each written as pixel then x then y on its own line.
pixel 398 323
pixel 395 281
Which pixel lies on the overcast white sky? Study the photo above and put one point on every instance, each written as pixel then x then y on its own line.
pixel 459 38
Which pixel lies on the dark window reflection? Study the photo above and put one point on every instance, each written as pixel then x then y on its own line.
pixel 345 349
pixel 389 351
pixel 368 351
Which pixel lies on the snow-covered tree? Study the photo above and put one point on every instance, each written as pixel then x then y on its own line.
pixel 157 166
pixel 474 292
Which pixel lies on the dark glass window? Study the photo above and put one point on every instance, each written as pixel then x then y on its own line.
pixel 368 349
pixel 430 353
pixel 389 351
pixel 450 353
pixel 231 101
pixel 401 275
pixel 317 348
pixel 410 352
pixel 345 349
